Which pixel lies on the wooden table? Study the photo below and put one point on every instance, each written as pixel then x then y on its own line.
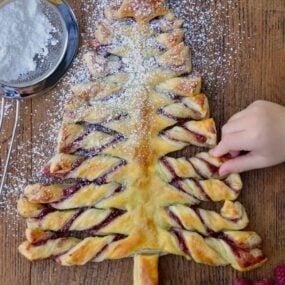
pixel 261 75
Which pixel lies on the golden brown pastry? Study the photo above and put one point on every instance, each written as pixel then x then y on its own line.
pixel 117 191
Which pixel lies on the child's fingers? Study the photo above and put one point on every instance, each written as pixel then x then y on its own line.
pixel 234 126
pixel 238 115
pixel 231 142
pixel 240 164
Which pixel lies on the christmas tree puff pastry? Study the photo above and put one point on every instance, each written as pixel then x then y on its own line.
pixel 117 191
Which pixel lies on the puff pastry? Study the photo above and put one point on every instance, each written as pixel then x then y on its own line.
pixel 117 191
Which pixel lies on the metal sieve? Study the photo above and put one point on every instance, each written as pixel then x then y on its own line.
pixel 48 71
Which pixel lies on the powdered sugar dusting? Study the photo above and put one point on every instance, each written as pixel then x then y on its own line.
pixel 204 33
pixel 211 36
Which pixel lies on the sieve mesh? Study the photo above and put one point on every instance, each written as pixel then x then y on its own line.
pixel 45 66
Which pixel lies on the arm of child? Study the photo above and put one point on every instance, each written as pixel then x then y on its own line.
pixel 260 131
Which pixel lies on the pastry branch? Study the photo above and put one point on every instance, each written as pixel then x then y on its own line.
pixel 208 223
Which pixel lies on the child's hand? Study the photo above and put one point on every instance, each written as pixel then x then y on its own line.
pixel 259 130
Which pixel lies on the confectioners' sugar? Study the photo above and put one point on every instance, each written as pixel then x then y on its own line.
pixel 25 34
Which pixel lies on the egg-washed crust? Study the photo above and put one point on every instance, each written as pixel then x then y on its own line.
pixel 117 191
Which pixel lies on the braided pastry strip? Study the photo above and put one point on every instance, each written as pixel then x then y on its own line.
pixel 89 220
pixel 195 108
pixel 72 196
pixel 209 190
pixel 84 136
pixel 178 87
pixel 208 223
pixel 200 166
pixel 240 249
pixel 199 133
pixel 178 59
pixel 82 105
pixel 69 251
pixel 96 169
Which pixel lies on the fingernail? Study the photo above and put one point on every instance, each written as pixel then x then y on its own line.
pixel 234 154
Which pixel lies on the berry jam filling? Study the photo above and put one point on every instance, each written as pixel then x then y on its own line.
pixel 119 117
pixel 65 231
pixel 242 252
pixel 195 112
pixel 112 97
pixel 57 256
pixel 99 181
pixel 230 187
pixel 197 170
pixel 169 167
pixel 197 211
pixel 91 128
pixel 104 178
pixel 181 241
pixel 177 184
pixel 202 190
pixel 113 215
pixel 80 235
pixel 76 164
pixel 116 238
pixel 153 43
pixel 208 230
pixel 114 64
pixel 129 21
pixel 44 213
pixel 67 193
pixel 244 256
pixel 156 24
pixel 44 241
pixel 119 189
pixel 94 151
pixel 160 47
pixel 68 225
pixel 175 218
pixel 162 112
pixel 212 168
pixel 199 138
pixel 101 49
pixel 97 127
pixel 174 96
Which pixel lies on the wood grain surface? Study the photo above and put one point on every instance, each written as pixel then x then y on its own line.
pixel 261 75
